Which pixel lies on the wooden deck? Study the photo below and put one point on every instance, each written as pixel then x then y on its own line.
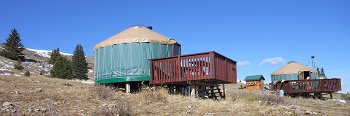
pixel 207 67
pixel 309 86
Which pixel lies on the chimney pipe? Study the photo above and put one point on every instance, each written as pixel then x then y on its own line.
pixel 149 27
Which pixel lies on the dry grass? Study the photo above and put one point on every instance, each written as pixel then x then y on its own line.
pixel 49 96
pixel 104 92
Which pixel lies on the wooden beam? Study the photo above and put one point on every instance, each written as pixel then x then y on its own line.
pixel 202 84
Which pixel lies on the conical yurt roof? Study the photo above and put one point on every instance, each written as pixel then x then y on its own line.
pixel 292 67
pixel 136 34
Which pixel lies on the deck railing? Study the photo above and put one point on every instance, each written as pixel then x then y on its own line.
pixel 309 86
pixel 208 67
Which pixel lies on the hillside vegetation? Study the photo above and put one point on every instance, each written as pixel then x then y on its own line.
pixel 41 95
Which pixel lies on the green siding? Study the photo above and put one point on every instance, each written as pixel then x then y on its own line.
pixel 116 80
pixel 129 61
pixel 293 76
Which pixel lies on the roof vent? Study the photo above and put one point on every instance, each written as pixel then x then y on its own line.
pixel 149 27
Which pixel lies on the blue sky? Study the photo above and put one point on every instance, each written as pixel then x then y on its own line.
pixel 247 31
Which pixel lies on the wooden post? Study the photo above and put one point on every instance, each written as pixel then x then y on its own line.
pixel 224 91
pixel 193 91
pixel 331 95
pixel 127 88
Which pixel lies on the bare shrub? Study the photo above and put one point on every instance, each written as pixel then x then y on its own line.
pixel 152 96
pixel 122 107
pixel 263 98
pixel 271 99
pixel 104 92
pixel 345 97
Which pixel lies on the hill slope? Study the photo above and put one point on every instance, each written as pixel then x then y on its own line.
pixel 49 96
pixel 36 61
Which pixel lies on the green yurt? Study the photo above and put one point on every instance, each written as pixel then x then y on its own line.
pixel 293 71
pixel 124 56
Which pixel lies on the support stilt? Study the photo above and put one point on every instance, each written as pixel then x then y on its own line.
pixel 127 88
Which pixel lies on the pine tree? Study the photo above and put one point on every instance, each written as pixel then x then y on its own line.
pixel 13 47
pixel 27 73
pixel 322 72
pixel 54 55
pixel 18 65
pixel 79 64
pixel 61 68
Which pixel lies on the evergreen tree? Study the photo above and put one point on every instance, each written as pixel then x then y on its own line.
pixel 54 55
pixel 322 72
pixel 13 47
pixel 18 65
pixel 61 68
pixel 79 64
pixel 27 73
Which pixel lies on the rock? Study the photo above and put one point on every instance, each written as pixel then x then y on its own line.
pixel 209 114
pixel 30 110
pixel 103 105
pixel 38 90
pixel 43 109
pixel 7 105
pixel 13 110
pixel 308 112
pixel 36 110
pixel 17 92
pixel 314 113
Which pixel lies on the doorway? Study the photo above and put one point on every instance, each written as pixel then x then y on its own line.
pixel 306 74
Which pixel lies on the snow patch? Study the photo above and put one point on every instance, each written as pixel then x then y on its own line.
pixel 46 53
pixel 241 81
pixel 1 69
pixel 90 71
pixel 5 74
pixel 88 82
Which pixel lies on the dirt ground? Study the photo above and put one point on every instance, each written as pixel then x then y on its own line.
pixel 49 96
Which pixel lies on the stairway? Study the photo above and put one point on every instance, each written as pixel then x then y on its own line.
pixel 215 92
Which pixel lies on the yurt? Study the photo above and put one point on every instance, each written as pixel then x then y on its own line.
pixel 123 58
pixel 294 71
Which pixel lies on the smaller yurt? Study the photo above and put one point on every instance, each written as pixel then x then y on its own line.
pixel 254 82
pixel 293 71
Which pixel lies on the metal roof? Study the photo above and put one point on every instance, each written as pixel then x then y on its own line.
pixel 254 78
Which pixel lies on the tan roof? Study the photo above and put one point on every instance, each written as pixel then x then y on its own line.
pixel 292 67
pixel 136 34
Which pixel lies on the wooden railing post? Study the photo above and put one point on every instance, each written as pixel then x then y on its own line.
pixel 213 65
pixel 151 71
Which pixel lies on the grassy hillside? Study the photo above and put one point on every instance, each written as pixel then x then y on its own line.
pixel 48 96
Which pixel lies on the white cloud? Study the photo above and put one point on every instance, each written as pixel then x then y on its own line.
pixel 273 61
pixel 243 63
